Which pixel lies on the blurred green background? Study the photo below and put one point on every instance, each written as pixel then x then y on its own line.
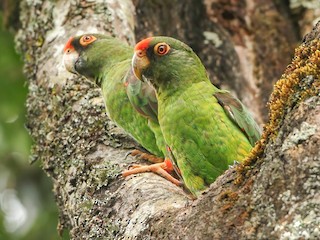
pixel 27 207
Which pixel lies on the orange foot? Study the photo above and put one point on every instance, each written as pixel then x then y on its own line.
pixel 161 169
pixel 145 156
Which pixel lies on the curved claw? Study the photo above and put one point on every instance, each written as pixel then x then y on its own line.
pixel 127 154
pixel 144 156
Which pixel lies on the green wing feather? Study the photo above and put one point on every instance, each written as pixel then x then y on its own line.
pixel 143 97
pixel 122 112
pixel 240 115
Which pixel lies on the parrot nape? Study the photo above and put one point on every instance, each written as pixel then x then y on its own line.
pixel 107 62
pixel 206 128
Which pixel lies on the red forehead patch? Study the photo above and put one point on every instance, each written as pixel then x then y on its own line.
pixel 143 44
pixel 68 45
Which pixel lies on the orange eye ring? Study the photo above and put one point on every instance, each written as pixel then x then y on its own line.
pixel 161 49
pixel 87 39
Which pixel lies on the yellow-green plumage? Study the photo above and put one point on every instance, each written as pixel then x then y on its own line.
pixel 206 128
pixel 203 144
pixel 107 61
pixel 120 109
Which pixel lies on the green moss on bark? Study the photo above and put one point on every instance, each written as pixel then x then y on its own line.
pixel 300 81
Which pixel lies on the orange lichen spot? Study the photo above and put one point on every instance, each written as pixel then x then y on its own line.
pixel 226 207
pixel 229 198
pixel 241 218
pixel 228 195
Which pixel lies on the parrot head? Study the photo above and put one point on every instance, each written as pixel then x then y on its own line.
pixel 90 54
pixel 165 62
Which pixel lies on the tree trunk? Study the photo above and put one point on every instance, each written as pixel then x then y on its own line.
pixel 245 46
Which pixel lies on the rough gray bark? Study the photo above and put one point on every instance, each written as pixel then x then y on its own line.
pixel 83 152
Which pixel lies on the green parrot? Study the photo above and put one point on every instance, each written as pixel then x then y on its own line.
pixel 205 128
pixel 131 104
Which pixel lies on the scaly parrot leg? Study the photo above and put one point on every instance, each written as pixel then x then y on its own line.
pixel 145 156
pixel 161 169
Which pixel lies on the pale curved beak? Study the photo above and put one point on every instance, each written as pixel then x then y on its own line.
pixel 70 58
pixel 140 62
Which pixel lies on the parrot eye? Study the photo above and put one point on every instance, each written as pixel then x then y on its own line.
pixel 87 39
pixel 161 49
